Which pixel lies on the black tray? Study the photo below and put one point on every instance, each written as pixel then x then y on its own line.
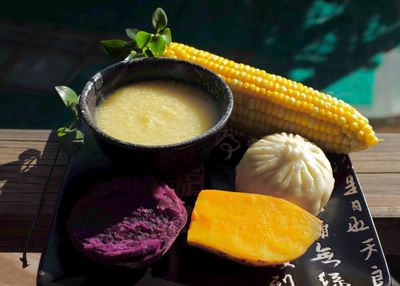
pixel 348 251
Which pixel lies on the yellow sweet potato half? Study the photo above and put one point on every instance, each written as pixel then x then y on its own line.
pixel 251 228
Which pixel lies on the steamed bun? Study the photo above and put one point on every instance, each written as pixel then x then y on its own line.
pixel 287 166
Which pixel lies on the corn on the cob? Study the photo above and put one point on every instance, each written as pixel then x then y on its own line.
pixel 266 103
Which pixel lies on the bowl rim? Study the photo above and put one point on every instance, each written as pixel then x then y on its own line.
pixel 212 131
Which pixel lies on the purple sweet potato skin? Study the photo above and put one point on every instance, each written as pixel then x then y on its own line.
pixel 127 221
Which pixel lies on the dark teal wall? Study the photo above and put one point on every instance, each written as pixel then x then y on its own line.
pixel 329 45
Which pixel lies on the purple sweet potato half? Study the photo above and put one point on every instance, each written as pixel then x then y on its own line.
pixel 127 221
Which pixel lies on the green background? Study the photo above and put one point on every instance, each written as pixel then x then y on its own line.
pixel 335 46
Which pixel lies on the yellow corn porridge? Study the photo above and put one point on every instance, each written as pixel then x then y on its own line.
pixel 156 112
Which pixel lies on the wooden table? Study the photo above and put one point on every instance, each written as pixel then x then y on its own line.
pixel 27 157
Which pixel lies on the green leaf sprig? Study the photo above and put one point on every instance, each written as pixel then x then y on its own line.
pixel 141 43
pixel 71 101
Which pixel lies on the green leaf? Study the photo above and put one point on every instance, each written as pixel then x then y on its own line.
pixel 157 46
pixel 166 34
pixel 79 136
pixel 75 134
pixel 142 38
pixel 159 19
pixel 61 132
pixel 117 48
pixel 131 33
pixel 69 97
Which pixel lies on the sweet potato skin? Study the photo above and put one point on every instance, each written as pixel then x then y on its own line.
pixel 251 229
pixel 130 222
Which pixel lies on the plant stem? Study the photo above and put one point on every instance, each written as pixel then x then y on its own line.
pixel 24 258
pixel 73 123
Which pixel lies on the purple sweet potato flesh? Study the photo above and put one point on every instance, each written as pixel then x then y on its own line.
pixel 127 221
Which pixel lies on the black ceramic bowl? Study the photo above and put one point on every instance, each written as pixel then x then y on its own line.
pixel 164 159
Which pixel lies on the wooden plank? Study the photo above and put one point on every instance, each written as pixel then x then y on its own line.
pixel 22 179
pixel 378 170
pixel 381 184
pixel 372 166
pixel 48 160
pixel 31 172
pixel 382 192
pixel 29 144
pixel 26 204
pixel 19 147
pixel 382 158
pixel 30 179
pixel 378 155
pixel 20 189
pixel 12 155
pixel 17 231
pixel 27 135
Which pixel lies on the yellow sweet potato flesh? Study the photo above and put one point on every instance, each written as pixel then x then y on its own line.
pixel 251 228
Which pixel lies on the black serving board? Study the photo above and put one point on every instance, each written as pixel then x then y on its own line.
pixel 348 252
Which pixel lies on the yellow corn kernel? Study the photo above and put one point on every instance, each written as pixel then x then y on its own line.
pixel 287 105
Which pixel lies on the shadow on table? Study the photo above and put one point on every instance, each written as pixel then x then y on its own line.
pixel 22 183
